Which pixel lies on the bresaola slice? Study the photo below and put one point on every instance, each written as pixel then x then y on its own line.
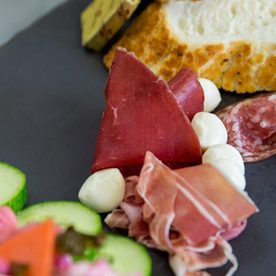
pixel 188 91
pixel 186 212
pixel 142 114
pixel 251 126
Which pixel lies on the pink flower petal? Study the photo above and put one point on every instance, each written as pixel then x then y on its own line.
pixel 4 266
pixel 7 223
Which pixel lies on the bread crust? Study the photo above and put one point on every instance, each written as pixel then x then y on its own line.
pixel 238 66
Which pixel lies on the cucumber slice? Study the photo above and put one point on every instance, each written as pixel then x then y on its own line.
pixel 125 255
pixel 13 191
pixel 64 213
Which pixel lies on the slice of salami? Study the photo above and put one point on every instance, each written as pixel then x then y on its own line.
pixel 251 126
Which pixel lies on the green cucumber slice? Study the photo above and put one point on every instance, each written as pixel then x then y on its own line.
pixel 64 213
pixel 125 255
pixel 13 191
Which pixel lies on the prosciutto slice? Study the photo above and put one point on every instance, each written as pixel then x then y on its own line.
pixel 251 126
pixel 142 114
pixel 184 212
pixel 216 190
pixel 188 92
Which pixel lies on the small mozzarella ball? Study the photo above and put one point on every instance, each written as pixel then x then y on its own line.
pixel 104 190
pixel 210 129
pixel 212 96
pixel 231 172
pixel 225 151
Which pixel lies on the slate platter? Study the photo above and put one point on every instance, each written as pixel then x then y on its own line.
pixel 51 101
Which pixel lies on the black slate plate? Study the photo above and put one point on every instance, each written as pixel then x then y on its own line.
pixel 51 100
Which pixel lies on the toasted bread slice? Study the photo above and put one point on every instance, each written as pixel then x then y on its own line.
pixel 231 42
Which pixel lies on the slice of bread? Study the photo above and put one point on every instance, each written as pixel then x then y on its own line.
pixel 231 42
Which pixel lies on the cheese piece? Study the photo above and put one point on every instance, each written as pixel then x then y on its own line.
pixel 224 151
pixel 232 173
pixel 212 96
pixel 102 19
pixel 209 129
pixel 104 190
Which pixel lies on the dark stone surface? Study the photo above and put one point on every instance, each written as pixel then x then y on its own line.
pixel 51 100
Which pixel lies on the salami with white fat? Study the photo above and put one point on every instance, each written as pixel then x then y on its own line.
pixel 251 126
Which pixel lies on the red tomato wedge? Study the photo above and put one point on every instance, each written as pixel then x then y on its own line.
pixel 33 246
pixel 142 114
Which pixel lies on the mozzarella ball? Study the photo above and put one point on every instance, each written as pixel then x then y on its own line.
pixel 224 151
pixel 104 190
pixel 212 96
pixel 231 172
pixel 209 129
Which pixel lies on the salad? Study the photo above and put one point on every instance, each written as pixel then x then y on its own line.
pixel 60 238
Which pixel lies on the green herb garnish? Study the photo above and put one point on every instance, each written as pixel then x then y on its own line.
pixel 80 246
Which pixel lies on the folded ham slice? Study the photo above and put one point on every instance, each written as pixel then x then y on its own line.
pixel 188 91
pixel 212 185
pixel 184 212
pixel 142 114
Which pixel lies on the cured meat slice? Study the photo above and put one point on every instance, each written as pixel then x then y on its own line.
pixel 185 212
pixel 131 207
pixel 165 194
pixel 188 92
pixel 142 114
pixel 234 231
pixel 209 182
pixel 196 201
pixel 192 263
pixel 117 219
pixel 251 126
